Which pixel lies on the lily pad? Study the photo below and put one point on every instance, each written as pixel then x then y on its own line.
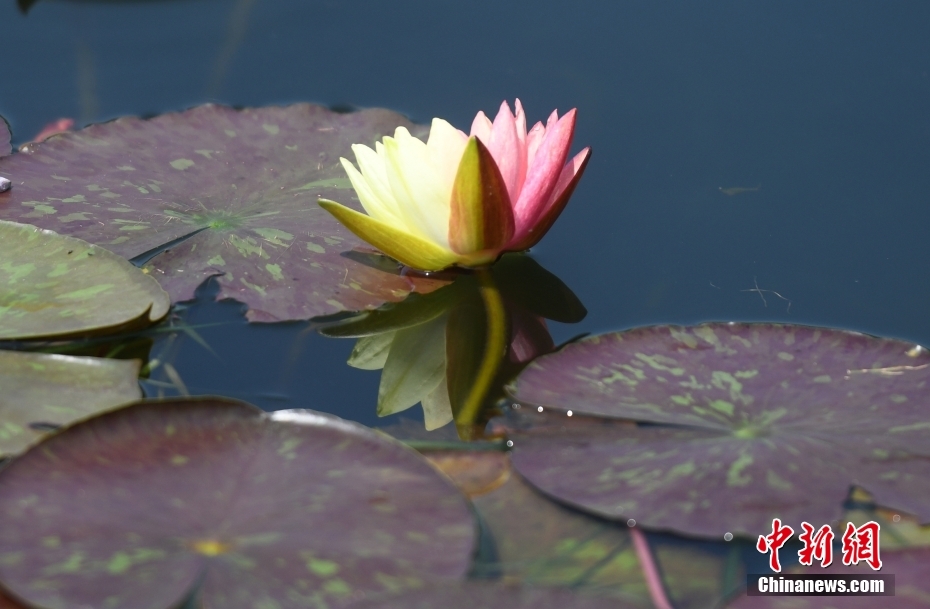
pixel 53 285
pixel 747 422
pixel 39 391
pixel 6 136
pixel 248 180
pixel 542 543
pixel 137 507
pixel 485 595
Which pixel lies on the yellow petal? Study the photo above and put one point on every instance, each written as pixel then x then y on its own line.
pixel 481 217
pixel 396 243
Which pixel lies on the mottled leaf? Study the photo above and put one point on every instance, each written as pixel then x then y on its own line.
pixel 475 472
pixel 40 391
pixel 748 422
pixel 134 508
pixel 53 285
pixel 6 136
pixel 485 595
pixel 248 180
pixel 911 570
pixel 540 542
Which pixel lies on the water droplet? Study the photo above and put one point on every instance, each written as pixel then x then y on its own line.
pixel 569 413
pixel 539 409
pixel 631 523
pixel 728 536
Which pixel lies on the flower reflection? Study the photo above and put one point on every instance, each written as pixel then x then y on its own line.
pixel 453 350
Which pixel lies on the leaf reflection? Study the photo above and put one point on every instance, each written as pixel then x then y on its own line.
pixel 438 349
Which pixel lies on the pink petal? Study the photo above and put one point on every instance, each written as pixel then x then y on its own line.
pixel 543 174
pixel 533 139
pixel 520 118
pixel 481 127
pixel 565 186
pixel 520 122
pixel 505 148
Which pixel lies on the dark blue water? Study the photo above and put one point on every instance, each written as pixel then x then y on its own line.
pixel 824 108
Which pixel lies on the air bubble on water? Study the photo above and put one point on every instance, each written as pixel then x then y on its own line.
pixel 631 523
pixel 539 409
pixel 896 518
pixel 728 536
pixel 509 443
pixel 569 413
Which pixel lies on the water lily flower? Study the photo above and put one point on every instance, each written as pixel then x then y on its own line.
pixel 463 199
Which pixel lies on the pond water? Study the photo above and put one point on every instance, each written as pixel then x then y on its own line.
pixel 751 161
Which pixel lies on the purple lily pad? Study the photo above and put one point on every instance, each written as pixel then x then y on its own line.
pixel 750 422
pixel 136 507
pixel 250 179
pixel 486 595
pixel 53 286
pixel 39 390
pixel 6 136
pixel 911 570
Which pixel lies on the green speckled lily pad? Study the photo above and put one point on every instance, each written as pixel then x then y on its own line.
pixel 542 543
pixel 38 390
pixel 485 595
pixel 748 422
pixel 249 178
pixel 134 508
pixel 53 285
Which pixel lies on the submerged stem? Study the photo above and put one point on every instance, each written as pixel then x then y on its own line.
pixel 650 570
pixel 494 347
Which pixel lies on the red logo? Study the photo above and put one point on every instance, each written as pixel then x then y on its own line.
pixel 862 544
pixel 773 542
pixel 819 545
pixel 859 544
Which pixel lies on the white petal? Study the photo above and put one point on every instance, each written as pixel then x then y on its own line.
pixel 372 166
pixel 372 199
pixel 446 145
pixel 421 199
